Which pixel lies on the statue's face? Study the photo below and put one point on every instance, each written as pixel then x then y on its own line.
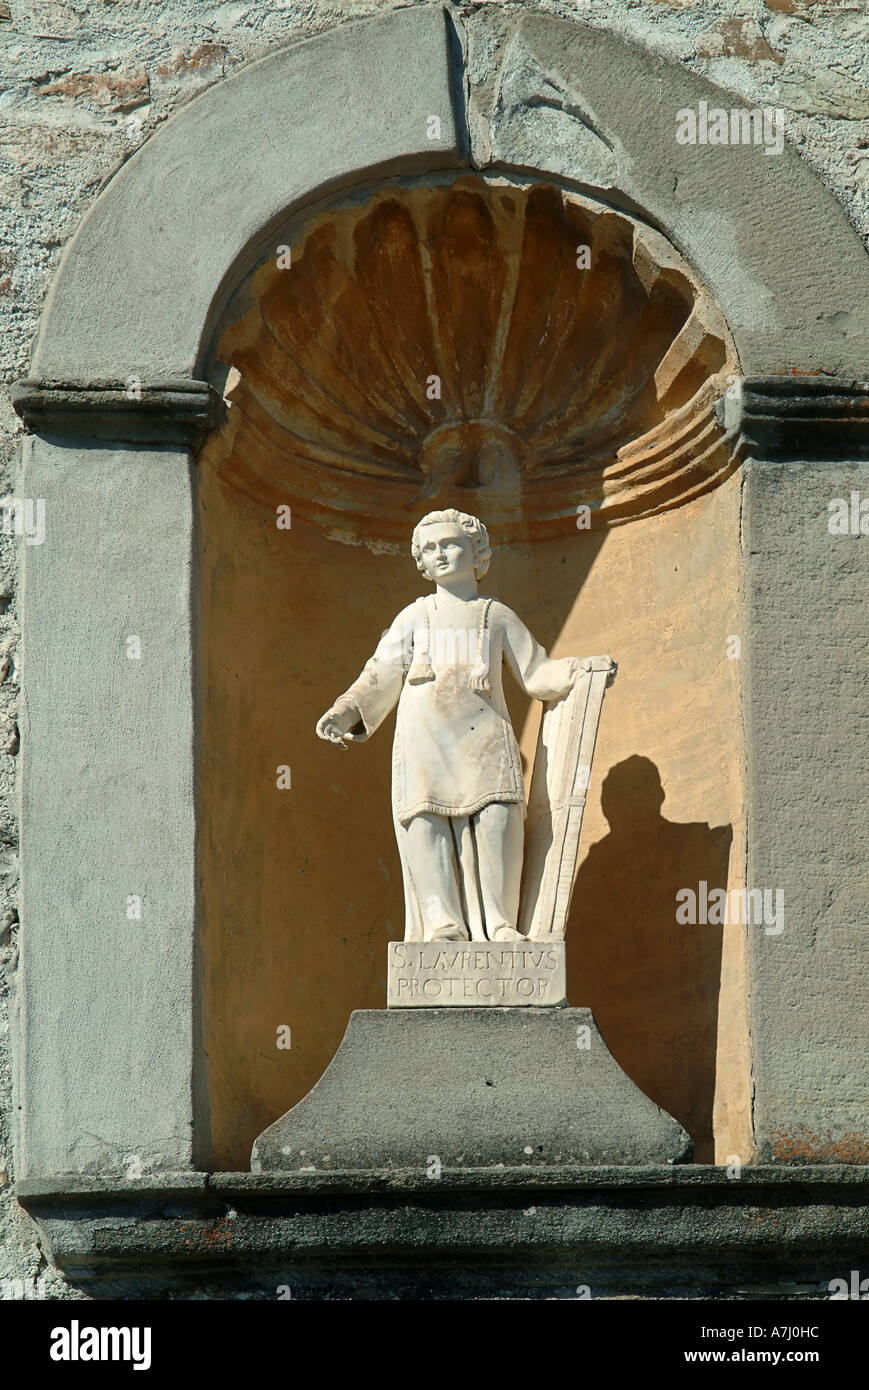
pixel 447 551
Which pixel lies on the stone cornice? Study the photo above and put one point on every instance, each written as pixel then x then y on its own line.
pixel 153 412
pixel 800 417
pixel 394 1228
pixel 773 417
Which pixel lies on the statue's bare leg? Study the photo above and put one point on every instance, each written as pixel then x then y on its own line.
pixel 499 831
pixel 431 858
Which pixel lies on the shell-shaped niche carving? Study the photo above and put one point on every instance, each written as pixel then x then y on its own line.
pixel 507 348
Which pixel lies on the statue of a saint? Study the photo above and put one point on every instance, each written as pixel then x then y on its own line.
pixel 457 794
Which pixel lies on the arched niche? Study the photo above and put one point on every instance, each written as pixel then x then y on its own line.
pixel 118 403
pixel 520 351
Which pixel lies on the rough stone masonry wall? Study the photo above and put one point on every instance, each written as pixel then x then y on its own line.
pixel 84 82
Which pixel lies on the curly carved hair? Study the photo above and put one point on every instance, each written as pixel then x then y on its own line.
pixel 470 524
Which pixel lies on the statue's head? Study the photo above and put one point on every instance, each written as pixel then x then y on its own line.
pixel 468 532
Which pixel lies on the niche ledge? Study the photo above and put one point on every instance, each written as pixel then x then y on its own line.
pixel 777 1231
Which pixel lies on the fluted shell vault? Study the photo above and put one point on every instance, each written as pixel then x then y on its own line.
pixel 513 349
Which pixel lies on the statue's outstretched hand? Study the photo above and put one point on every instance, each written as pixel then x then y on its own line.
pixel 584 664
pixel 336 724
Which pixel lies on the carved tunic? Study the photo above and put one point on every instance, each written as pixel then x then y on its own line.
pixel 454 750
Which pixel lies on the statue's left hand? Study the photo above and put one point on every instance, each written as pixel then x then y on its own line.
pixel 584 664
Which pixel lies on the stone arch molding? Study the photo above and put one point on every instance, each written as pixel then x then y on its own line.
pixel 110 1082
pixel 141 281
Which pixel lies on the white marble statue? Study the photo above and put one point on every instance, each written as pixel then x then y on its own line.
pixel 457 794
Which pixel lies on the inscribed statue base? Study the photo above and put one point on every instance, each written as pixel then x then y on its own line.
pixel 469 974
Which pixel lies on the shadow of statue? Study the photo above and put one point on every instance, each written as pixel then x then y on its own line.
pixel 652 982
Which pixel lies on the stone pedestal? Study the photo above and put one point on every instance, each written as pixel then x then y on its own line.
pixel 427 1090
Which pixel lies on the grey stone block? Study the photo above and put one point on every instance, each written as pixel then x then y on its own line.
pixel 444 1088
pixel 106 989
pixel 805 714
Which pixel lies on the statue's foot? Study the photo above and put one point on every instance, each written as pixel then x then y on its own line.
pixel 507 934
pixel 448 934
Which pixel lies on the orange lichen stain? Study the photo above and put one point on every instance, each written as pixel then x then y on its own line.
pixel 201 57
pixel 795 6
pixel 740 39
pixel 214 1235
pixel 121 90
pixel 802 1146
